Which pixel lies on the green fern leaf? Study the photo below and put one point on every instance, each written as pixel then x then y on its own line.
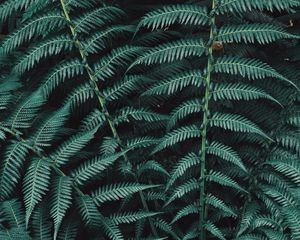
pixel 90 169
pixel 170 52
pixel 36 184
pixel 249 33
pixel 37 26
pixel 184 110
pixel 69 229
pixel 121 88
pixel 216 232
pixel 41 224
pixel 178 135
pixel 186 211
pixel 236 123
pixel 250 68
pixel 180 168
pixel 88 210
pixel 14 214
pixel 70 147
pixel 151 165
pixel 237 91
pixel 118 58
pixel 224 180
pixel 60 201
pixel 290 169
pixel 129 217
pixel 219 204
pixel 97 18
pixel 244 5
pixel 68 69
pixel 11 165
pixel 25 111
pixel 48 129
pixel 226 153
pixel 93 120
pixel 118 191
pixel 92 217
pixel 177 83
pixel 49 47
pixel 168 15
pixel 185 188
pixel 98 41
pixel 293 219
pixel 124 115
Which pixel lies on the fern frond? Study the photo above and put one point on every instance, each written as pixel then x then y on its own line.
pixel 70 147
pixel 240 6
pixel 219 204
pixel 251 211
pixel 118 191
pixel 216 232
pixel 177 83
pixel 238 91
pixel 14 214
pixel 81 94
pixel 60 201
pixel 178 135
pixel 42 50
pixel 118 58
pixel 36 184
pixel 290 169
pixel 37 26
pixel 47 130
pixel 185 188
pixel 226 153
pixel 180 168
pixel 129 217
pixel 184 110
pixel 14 233
pixel 93 120
pixel 41 225
pixel 125 114
pixel 68 229
pixel 293 219
pixel 170 52
pixel 151 165
pixel 11 6
pixel 64 70
pixel 183 14
pixel 140 142
pixel 98 41
pixel 11 165
pixel 97 18
pixel 122 88
pixel 250 68
pixel 186 211
pixel 223 180
pixel 249 33
pixel 25 111
pixel 90 169
pixel 236 123
pixel 88 210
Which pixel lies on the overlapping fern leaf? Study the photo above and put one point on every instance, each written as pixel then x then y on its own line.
pixel 56 150
pixel 173 120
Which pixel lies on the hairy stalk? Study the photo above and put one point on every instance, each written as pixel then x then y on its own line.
pixel 204 126
pixel 102 102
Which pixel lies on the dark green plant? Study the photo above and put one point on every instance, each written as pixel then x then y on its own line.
pixel 146 120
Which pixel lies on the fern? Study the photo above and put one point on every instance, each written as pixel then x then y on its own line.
pixel 123 120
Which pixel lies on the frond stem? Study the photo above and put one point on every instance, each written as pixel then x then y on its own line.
pixel 204 127
pixel 102 101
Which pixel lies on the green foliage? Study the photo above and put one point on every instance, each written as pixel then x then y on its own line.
pixel 158 120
